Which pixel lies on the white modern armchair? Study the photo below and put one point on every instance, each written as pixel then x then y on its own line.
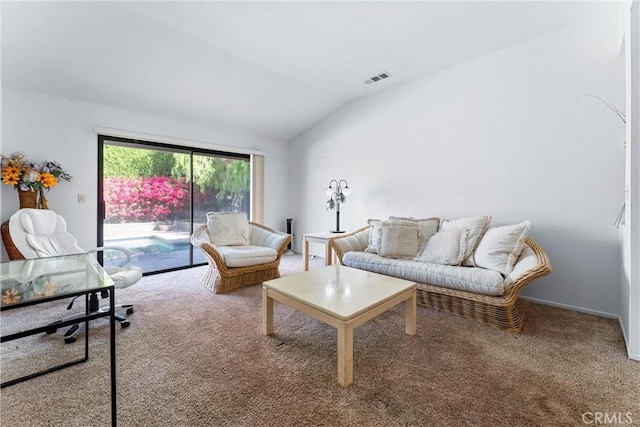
pixel 39 233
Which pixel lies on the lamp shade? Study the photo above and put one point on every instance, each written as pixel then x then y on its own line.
pixel 329 191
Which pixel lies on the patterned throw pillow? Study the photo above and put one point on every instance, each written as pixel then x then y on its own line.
pixel 398 239
pixel 477 226
pixel 374 236
pixel 426 228
pixel 446 247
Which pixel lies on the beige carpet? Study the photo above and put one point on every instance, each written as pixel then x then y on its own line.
pixel 193 358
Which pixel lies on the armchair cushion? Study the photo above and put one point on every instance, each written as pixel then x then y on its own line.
pixel 261 236
pixel 245 256
pixel 228 229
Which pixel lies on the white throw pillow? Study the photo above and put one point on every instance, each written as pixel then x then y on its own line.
pixel 374 236
pixel 228 229
pixel 446 246
pixel 500 247
pixel 398 239
pixel 426 228
pixel 477 226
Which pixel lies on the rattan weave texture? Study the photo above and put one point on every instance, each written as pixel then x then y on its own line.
pixel 502 312
pixel 12 250
pixel 219 278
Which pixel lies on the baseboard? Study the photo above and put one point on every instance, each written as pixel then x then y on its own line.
pixel 631 356
pixel 571 307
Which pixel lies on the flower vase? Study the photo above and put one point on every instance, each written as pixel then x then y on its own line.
pixel 28 199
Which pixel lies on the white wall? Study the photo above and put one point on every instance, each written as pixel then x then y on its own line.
pixel 46 127
pixel 502 134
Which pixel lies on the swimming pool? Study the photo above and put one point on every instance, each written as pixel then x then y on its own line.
pixel 149 244
pixel 156 252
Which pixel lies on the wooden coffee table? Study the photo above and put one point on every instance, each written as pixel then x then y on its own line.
pixel 342 297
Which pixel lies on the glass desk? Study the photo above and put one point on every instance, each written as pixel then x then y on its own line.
pixel 35 281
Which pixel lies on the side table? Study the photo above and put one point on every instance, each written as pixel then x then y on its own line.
pixel 322 238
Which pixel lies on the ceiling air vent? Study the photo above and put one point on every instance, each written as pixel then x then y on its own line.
pixel 379 77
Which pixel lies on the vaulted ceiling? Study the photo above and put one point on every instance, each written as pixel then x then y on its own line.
pixel 270 68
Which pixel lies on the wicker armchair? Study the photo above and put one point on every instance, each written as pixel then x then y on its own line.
pixel 502 312
pixel 221 278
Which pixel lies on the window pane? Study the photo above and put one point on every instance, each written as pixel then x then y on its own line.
pixel 147 195
pixel 147 205
pixel 220 185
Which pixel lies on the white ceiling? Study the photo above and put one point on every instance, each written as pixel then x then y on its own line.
pixel 271 68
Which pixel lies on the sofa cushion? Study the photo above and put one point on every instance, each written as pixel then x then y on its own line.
pixel 426 228
pixel 398 239
pixel 470 279
pixel 477 226
pixel 244 256
pixel 226 228
pixel 500 247
pixel 374 236
pixel 446 247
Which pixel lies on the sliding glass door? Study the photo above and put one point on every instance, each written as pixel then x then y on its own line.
pixel 152 197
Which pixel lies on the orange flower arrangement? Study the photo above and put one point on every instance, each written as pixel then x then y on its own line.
pixel 26 175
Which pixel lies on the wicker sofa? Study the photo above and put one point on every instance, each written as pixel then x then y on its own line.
pixel 502 311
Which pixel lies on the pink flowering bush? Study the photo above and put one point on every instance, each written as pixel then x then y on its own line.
pixel 158 199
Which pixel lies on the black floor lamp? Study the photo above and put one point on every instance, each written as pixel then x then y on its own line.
pixel 338 191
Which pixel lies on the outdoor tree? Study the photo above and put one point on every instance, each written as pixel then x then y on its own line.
pixel 152 185
pixel 221 179
pixel 136 162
